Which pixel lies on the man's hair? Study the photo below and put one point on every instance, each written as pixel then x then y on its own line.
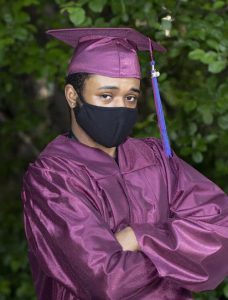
pixel 77 80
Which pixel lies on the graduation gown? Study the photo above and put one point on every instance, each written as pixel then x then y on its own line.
pixel 76 197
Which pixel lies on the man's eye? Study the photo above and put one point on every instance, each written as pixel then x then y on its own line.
pixel 106 97
pixel 131 98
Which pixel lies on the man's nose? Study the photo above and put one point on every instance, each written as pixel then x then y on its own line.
pixel 120 102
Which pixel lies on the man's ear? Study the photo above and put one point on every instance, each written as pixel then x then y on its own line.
pixel 71 95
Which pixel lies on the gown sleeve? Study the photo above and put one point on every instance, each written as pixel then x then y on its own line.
pixel 191 247
pixel 72 242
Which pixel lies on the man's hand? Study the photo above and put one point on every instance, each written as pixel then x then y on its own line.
pixel 127 239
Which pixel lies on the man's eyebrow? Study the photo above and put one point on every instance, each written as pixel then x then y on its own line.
pixel 111 87
pixel 135 90
pixel 108 87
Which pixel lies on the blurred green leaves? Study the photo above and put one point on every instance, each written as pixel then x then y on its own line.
pixel 215 62
pixel 217 66
pixel 223 122
pixel 97 5
pixel 76 13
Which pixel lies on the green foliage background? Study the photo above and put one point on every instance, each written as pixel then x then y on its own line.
pixel 193 85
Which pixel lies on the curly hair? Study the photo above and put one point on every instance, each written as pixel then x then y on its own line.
pixel 77 80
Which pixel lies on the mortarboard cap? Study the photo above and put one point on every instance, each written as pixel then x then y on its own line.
pixel 112 52
pixel 105 51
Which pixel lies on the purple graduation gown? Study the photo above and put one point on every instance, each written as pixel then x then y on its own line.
pixel 75 198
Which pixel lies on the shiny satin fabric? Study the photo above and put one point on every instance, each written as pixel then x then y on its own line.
pixel 105 51
pixel 94 54
pixel 75 198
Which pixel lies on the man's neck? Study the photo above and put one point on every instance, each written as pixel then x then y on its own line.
pixel 80 135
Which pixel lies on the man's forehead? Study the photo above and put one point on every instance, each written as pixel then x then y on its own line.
pixel 104 82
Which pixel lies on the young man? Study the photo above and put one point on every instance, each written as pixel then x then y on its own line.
pixel 109 216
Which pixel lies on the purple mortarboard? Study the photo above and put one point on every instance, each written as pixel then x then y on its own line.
pixel 113 52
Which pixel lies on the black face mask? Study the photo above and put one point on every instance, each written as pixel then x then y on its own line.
pixel 108 126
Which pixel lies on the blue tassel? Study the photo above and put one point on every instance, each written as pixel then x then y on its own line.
pixel 160 114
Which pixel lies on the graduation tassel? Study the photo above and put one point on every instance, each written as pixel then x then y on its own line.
pixel 158 104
